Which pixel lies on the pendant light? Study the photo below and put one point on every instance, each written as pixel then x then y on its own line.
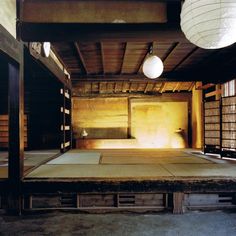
pixel 152 66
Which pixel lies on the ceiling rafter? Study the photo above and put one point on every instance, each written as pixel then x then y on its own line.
pixel 162 88
pixel 130 86
pixel 146 88
pixel 143 59
pixel 123 58
pixel 191 86
pixel 81 58
pixel 177 86
pixel 186 57
pixel 102 58
pixel 170 51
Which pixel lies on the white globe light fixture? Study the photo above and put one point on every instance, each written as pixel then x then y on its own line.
pixel 209 24
pixel 46 49
pixel 152 66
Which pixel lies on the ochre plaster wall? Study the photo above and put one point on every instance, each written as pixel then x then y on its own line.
pixel 160 124
pixel 100 117
pixel 151 123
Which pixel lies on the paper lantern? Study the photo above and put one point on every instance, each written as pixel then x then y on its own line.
pixel 153 67
pixel 209 24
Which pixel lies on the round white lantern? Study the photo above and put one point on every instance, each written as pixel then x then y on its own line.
pixel 46 48
pixel 209 24
pixel 153 67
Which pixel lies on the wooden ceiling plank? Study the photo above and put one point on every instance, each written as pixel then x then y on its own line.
pixel 81 58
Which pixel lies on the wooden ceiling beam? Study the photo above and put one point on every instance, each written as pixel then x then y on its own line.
pixel 134 77
pixel 93 11
pixel 85 33
pixel 81 58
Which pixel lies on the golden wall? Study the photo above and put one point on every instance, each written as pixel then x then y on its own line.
pixel 151 123
pixel 160 124
pixel 100 117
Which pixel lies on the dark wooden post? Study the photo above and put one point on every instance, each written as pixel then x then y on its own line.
pixel 16 133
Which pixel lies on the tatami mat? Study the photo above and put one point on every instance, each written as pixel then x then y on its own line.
pixel 77 158
pixel 201 170
pixel 4 171
pixel 99 171
pixel 153 160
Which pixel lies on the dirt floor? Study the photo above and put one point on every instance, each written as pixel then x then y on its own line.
pixel 190 224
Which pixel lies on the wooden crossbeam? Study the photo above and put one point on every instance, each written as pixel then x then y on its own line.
pixel 85 33
pixel 205 86
pixel 213 93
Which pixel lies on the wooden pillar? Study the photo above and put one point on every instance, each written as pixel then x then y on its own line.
pixel 197 117
pixel 16 133
pixel 178 199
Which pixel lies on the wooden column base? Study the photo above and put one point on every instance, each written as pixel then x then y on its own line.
pixel 178 199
